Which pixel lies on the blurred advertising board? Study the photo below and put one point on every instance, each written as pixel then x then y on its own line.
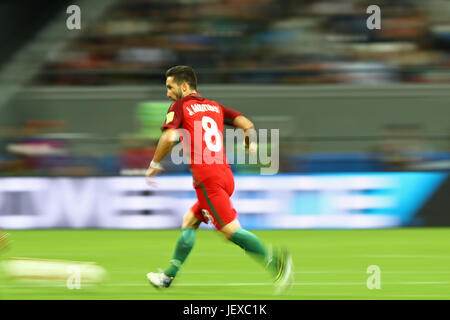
pixel 357 200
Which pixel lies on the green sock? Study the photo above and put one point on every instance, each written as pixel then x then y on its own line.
pixel 182 249
pixel 252 245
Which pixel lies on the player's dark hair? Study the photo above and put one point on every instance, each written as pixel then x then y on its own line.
pixel 182 74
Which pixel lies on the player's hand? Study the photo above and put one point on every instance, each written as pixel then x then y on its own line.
pixel 252 148
pixel 150 173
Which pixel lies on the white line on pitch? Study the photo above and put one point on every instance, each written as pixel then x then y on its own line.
pixel 308 284
pixel 240 284
pixel 395 256
pixel 315 272
pixel 296 272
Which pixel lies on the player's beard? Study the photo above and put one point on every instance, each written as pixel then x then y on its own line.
pixel 179 94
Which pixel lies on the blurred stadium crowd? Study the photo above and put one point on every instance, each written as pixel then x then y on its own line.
pixel 239 42
pixel 259 41
pixel 42 148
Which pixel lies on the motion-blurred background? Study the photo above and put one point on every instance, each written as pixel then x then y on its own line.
pixel 364 115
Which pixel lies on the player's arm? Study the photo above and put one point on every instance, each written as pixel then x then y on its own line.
pixel 165 144
pixel 167 140
pixel 238 120
pixel 249 130
pixel 243 123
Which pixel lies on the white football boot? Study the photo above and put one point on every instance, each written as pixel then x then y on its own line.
pixel 159 279
pixel 285 279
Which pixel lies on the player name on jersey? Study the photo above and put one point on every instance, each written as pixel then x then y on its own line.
pixel 194 108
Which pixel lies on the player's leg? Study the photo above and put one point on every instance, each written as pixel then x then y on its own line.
pixel 251 244
pixel 233 230
pixel 184 244
pixel 278 262
pixel 216 200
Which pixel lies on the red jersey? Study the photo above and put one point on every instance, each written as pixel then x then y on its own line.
pixel 202 121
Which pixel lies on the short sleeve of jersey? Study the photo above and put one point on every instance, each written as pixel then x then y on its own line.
pixel 174 116
pixel 229 115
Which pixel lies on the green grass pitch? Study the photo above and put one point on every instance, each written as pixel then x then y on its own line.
pixel 329 264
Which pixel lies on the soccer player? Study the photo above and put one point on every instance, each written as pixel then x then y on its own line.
pixel 203 120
